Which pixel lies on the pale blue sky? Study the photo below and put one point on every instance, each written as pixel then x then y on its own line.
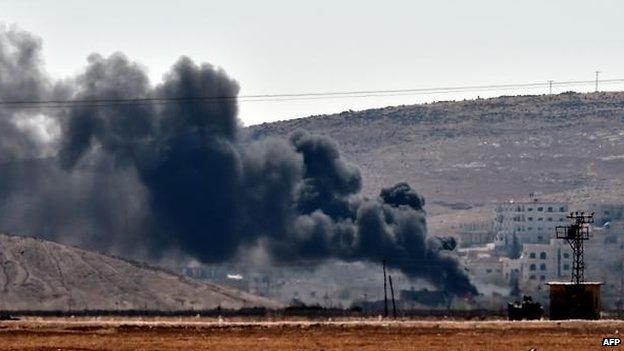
pixel 278 46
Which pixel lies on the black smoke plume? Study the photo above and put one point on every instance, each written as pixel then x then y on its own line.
pixel 182 177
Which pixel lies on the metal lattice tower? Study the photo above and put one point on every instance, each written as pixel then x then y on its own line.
pixel 575 235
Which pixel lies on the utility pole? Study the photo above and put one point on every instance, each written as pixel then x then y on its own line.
pixel 385 290
pixel 622 290
pixel 550 87
pixel 597 73
pixel 575 234
pixel 392 294
pixel 621 299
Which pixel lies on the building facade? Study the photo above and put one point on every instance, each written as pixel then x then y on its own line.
pixel 530 222
pixel 475 234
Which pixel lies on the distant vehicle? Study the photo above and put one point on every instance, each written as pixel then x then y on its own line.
pixel 525 309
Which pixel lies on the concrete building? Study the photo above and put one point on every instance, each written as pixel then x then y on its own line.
pixel 483 265
pixel 607 213
pixel 604 262
pixel 475 234
pixel 530 222
pixel 511 268
pixel 486 269
pixel 541 263
pixel 575 301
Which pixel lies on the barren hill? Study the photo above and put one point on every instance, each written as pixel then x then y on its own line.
pixel 43 275
pixel 464 156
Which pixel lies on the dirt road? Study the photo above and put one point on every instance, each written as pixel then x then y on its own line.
pixel 209 334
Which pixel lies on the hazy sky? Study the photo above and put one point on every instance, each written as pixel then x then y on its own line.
pixel 284 46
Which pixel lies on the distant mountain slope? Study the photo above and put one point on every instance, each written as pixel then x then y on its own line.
pixel 466 155
pixel 43 275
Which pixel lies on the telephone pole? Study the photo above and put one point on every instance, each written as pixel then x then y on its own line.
pixel 392 294
pixel 597 73
pixel 385 290
pixel 622 291
pixel 550 87
pixel 621 306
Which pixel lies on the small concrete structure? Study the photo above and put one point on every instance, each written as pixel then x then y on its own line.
pixel 570 300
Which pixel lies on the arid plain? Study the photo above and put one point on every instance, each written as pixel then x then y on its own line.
pixel 236 334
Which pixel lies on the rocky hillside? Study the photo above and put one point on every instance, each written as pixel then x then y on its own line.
pixel 465 156
pixel 43 275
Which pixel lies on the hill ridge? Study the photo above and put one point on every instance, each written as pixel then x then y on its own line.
pixel 43 275
pixel 472 154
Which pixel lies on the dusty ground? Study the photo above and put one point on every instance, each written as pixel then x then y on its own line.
pixel 206 334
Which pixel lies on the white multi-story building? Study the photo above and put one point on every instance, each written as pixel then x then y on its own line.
pixel 604 262
pixel 475 234
pixel 511 268
pixel 530 222
pixel 485 268
pixel 607 213
pixel 543 257
pixel 541 263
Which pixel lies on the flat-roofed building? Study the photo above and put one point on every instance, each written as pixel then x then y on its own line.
pixel 531 222
pixel 475 234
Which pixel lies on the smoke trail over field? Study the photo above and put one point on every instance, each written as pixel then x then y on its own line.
pixel 181 176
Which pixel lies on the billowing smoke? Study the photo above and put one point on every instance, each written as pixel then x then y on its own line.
pixel 181 176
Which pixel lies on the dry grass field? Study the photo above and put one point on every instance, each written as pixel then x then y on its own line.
pixel 210 334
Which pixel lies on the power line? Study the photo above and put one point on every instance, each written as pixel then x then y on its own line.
pixel 95 102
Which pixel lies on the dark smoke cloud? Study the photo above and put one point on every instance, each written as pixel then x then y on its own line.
pixel 180 177
pixel 94 206
pixel 20 79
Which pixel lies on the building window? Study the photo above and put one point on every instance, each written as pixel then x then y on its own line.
pixel 550 219
pixel 532 267
pixel 550 209
pixel 543 255
pixel 561 209
pixel 542 277
pixel 488 271
pixel 566 267
pixel 566 255
pixel 540 238
pixel 532 277
pixel 532 255
pixel 530 209
pixel 540 219
pixel 542 267
pixel 540 209
pixel 530 218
